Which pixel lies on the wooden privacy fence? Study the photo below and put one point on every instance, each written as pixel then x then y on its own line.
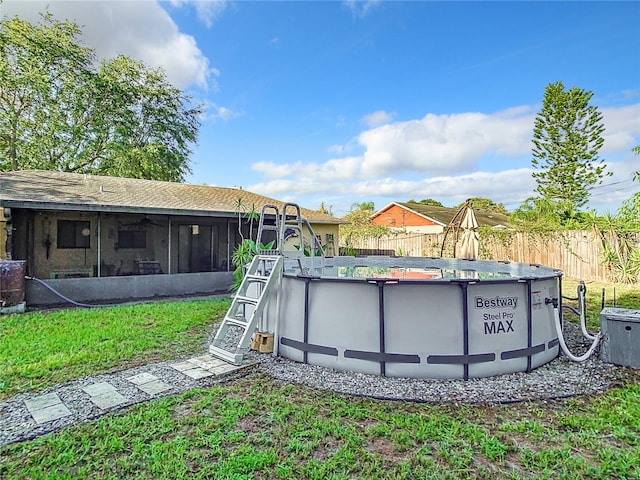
pixel 577 253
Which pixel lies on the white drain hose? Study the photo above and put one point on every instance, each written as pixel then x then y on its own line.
pixel 563 344
pixel 582 291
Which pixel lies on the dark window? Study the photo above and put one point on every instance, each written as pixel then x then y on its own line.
pixel 132 239
pixel 74 234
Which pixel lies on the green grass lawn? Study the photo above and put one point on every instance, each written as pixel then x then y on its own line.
pixel 260 428
pixel 38 349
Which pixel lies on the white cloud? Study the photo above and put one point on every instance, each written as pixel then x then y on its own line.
pixel 435 144
pixel 336 149
pixel 139 29
pixel 377 118
pixel 453 144
pixel 506 186
pixel 273 170
pixel 616 189
pixel 207 10
pixel 622 128
pixel 361 8
pixel 440 153
pixel 217 112
pixel 445 143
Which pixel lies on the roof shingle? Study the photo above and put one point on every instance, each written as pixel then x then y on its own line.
pixel 49 189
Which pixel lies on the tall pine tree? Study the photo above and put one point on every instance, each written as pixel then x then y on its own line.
pixel 566 139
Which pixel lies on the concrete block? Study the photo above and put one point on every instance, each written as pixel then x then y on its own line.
pixel 19 308
pixel 262 342
pixel 104 395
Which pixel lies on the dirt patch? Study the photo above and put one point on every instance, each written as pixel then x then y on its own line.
pixel 323 452
pixel 250 424
pixel 385 448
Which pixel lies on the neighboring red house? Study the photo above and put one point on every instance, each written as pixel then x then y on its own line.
pixel 420 218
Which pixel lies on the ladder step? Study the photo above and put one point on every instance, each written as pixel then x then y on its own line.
pixel 236 321
pixel 256 278
pixel 238 317
pixel 269 258
pixel 243 299
pixel 226 355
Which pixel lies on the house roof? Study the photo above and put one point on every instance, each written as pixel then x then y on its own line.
pixel 444 215
pixel 52 190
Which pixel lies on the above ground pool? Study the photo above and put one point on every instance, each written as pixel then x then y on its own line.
pixel 417 317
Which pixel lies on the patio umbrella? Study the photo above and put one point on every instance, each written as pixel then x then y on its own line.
pixel 468 243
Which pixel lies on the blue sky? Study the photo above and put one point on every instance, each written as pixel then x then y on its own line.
pixel 345 102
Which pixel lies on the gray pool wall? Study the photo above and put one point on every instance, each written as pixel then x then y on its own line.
pixel 465 326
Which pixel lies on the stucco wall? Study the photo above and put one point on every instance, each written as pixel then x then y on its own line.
pixel 323 231
pixel 120 289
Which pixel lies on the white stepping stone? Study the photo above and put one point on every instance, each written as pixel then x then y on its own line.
pixel 43 401
pixel 98 389
pixel 142 378
pixel 108 400
pixel 193 372
pixel 104 395
pixel 204 366
pixel 149 383
pixel 154 387
pixel 207 362
pixel 183 366
pixel 225 368
pixel 47 408
pixel 197 373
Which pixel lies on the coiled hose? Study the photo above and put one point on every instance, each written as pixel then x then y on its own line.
pixel 563 345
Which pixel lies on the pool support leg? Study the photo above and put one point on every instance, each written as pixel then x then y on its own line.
pixel 305 353
pixel 465 327
pixel 383 365
pixel 529 325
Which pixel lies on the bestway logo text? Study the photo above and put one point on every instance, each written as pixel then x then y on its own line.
pixel 497 302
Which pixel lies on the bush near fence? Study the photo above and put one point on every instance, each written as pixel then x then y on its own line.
pixel 577 253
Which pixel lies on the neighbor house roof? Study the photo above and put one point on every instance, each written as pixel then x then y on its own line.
pixel 444 215
pixel 49 190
